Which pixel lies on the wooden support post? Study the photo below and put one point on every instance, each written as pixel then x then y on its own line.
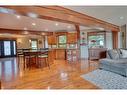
pixel 115 39
pixel 78 34
pixel 78 39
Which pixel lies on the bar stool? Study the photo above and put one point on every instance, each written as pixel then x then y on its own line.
pixel 43 59
pixel 28 60
pixel 20 56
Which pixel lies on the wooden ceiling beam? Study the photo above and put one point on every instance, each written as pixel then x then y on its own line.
pixel 61 14
pixel 22 32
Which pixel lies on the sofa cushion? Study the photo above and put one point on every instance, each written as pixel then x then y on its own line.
pixel 124 53
pixel 114 54
pixel 118 63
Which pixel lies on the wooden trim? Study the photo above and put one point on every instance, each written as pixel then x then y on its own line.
pixel 79 15
pixel 62 14
pixel 96 33
pixel 78 38
pixel 115 39
pixel 5 38
pixel 21 32
pixel 78 31
pixel 78 35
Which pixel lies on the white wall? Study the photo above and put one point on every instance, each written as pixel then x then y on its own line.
pixel 23 42
pixel 119 39
pixel 83 49
pixel 109 43
pixel 46 42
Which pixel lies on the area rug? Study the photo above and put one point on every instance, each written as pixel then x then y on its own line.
pixel 106 79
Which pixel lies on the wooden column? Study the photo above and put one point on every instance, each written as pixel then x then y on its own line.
pixel 115 39
pixel 78 34
pixel 78 41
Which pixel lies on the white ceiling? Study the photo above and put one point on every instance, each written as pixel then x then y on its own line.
pixel 10 21
pixel 110 14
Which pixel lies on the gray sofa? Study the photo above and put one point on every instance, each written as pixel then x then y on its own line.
pixel 116 61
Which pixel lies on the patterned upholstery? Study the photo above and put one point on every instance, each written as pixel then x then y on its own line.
pixel 123 53
pixel 115 62
pixel 114 54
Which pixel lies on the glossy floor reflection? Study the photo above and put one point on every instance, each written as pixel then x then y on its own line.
pixel 61 75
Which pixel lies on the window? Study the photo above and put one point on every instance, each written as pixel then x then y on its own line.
pixel 62 41
pixel 14 47
pixel 34 44
pixel 7 48
pixel 96 40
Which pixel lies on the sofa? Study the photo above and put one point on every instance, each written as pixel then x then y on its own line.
pixel 116 61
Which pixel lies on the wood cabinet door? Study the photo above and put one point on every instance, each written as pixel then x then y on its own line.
pixel 93 54
pixel 52 40
pixel 60 54
pixel 97 53
pixel 51 56
pixel 71 37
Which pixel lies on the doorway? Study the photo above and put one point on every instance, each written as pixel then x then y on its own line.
pixel 7 48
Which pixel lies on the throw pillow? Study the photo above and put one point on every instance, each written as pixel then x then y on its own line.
pixel 113 54
pixel 124 53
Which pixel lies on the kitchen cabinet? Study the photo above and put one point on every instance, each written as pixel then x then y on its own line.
pixel 71 38
pixel 52 40
pixel 97 53
pixel 61 54
pixel 72 55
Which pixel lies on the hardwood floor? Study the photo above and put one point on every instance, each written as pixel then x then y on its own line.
pixel 61 75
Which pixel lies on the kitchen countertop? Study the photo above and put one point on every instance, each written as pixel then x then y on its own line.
pixel 63 48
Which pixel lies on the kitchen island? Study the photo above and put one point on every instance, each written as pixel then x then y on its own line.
pixel 69 54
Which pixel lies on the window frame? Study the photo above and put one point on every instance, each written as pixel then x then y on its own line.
pixel 36 44
pixel 95 34
pixel 62 43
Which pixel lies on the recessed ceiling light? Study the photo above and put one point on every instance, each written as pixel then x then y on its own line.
pixel 100 28
pixel 33 15
pixel 121 17
pixel 56 24
pixel 46 29
pixel 25 28
pixel 69 26
pixel 43 33
pixel 25 32
pixel 29 41
pixel 18 16
pixel 33 24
